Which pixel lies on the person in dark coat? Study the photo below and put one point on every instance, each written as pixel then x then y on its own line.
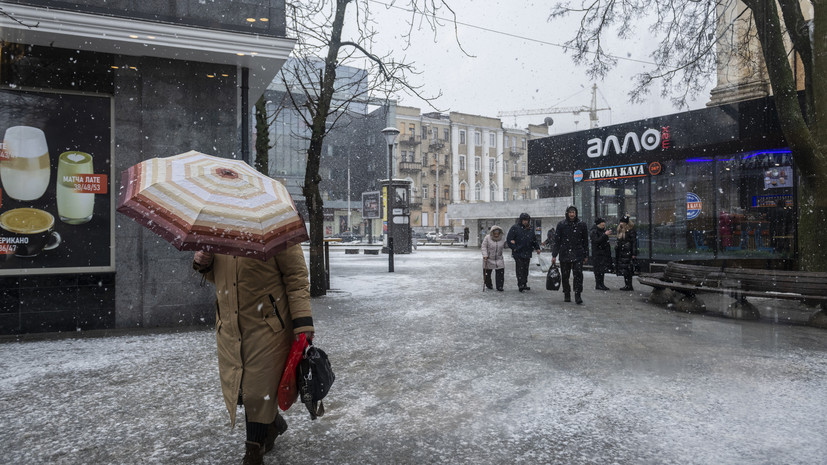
pixel 549 239
pixel 626 251
pixel 522 242
pixel 571 243
pixel 601 252
pixel 465 233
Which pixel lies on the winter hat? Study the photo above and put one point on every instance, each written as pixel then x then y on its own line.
pixel 625 219
pixel 599 220
pixel 524 216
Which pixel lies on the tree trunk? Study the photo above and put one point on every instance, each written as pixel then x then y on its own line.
pixel 320 111
pixel 807 152
pixel 262 164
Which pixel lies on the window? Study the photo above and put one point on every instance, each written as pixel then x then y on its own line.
pixel 425 219
pixel 478 191
pixel 523 170
pixel 507 142
pixel 461 137
pixel 424 132
pixel 412 130
pixel 462 191
pixel 505 193
pixel 492 195
pixel 404 155
pixel 477 138
pixel 492 165
pixel 462 162
pixel 516 167
pixel 446 135
pixel 522 142
pixel 514 141
pixel 446 194
pixel 424 159
pixel 505 169
pixel 424 191
pixel 477 164
pixel 492 139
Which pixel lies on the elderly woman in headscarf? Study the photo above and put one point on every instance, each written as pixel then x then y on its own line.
pixel 492 256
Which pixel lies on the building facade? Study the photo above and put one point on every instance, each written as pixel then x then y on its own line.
pixel 458 158
pixel 122 81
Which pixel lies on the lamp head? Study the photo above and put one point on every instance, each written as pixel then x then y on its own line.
pixel 390 134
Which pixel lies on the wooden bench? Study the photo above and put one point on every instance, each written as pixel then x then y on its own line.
pixel 680 283
pixel 446 241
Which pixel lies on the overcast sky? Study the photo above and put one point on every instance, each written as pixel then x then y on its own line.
pixel 518 63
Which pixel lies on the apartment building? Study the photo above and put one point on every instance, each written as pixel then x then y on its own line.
pixel 459 158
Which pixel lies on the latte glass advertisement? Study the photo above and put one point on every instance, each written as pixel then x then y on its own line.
pixel 56 213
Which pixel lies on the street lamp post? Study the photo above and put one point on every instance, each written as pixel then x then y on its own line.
pixel 390 134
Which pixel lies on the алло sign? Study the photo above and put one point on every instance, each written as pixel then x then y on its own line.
pixel 650 139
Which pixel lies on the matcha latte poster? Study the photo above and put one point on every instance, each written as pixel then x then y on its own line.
pixel 55 183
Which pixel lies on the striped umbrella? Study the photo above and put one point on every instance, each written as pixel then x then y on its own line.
pixel 201 202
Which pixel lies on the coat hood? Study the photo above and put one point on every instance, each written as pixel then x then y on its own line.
pixel 572 208
pixel 497 228
pixel 524 216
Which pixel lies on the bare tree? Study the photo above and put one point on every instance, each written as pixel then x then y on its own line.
pixel 689 51
pixel 314 92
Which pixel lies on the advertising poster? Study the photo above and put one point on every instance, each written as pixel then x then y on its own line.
pixel 56 212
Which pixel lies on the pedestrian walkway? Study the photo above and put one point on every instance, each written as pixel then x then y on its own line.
pixel 431 369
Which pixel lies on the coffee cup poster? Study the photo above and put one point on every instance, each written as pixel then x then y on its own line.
pixel 55 183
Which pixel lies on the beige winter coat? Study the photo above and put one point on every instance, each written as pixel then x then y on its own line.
pixel 255 333
pixel 493 250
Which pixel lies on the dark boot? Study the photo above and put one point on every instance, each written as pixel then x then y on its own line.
pixel 628 286
pixel 577 298
pixel 274 430
pixel 566 297
pixel 254 454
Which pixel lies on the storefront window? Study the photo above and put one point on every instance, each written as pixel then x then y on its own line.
pixel 756 215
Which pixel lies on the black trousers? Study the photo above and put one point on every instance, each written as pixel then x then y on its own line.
pixel 566 269
pixel 499 276
pixel 522 271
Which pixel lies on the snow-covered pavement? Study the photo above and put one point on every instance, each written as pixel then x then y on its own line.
pixel 430 369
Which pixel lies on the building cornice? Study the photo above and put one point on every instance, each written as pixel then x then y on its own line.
pixel 262 55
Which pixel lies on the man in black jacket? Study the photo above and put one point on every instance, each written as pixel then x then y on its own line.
pixel 571 242
pixel 522 242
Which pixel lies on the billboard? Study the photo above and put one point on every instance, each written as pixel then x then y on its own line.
pixel 56 202
pixel 371 205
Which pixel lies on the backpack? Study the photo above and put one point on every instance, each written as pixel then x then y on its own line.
pixel 314 376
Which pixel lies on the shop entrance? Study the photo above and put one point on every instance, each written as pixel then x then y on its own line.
pixel 615 199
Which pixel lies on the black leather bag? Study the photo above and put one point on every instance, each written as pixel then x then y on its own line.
pixel 314 376
pixel 553 278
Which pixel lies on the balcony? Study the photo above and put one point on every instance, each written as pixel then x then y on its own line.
pixel 516 152
pixel 435 145
pixel 410 166
pixel 415 203
pixel 443 167
pixel 409 139
pixel 517 176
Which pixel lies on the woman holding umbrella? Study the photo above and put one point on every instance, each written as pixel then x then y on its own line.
pixel 261 306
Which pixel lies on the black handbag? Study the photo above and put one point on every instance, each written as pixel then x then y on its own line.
pixel 314 376
pixel 553 278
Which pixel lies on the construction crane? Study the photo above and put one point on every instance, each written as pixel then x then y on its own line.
pixel 591 110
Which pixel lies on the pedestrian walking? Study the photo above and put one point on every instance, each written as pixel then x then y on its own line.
pixel 601 252
pixel 465 233
pixel 522 242
pixel 549 239
pixel 571 243
pixel 261 307
pixel 626 251
pixel 492 257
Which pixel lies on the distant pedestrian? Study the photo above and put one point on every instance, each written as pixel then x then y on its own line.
pixel 601 252
pixel 571 242
pixel 549 239
pixel 465 234
pixel 492 257
pixel 626 251
pixel 522 242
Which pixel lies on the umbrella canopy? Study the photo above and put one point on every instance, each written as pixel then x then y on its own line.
pixel 201 202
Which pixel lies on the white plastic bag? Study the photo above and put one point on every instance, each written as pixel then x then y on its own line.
pixel 544 263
